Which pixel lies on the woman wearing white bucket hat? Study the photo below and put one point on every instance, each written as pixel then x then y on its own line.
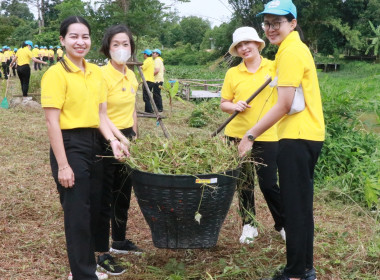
pixel 301 135
pixel 240 82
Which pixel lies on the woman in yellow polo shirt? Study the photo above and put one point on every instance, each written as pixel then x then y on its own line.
pixel 23 57
pixel 301 135
pixel 118 46
pixel 239 84
pixel 73 95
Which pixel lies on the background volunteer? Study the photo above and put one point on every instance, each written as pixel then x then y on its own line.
pixel 23 57
pixel 159 70
pixel 148 71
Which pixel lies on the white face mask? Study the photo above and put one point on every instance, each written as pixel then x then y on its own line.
pixel 120 56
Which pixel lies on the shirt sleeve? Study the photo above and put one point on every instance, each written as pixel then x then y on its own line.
pixel 290 69
pixel 227 92
pixel 53 89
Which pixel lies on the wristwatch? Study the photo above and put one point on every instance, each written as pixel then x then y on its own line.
pixel 251 137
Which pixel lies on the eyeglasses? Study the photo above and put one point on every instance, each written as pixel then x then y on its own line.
pixel 275 25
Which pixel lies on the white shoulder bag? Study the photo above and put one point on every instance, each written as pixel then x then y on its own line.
pixel 298 104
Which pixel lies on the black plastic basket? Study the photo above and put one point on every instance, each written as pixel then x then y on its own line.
pixel 169 204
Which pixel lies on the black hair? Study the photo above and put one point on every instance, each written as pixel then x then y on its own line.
pixel 23 45
pixel 63 32
pixel 110 33
pixel 289 17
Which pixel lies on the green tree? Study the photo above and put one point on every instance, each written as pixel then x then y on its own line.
pixel 375 41
pixel 194 28
pixel 16 8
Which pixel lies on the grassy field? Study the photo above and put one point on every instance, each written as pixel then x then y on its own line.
pixel 32 241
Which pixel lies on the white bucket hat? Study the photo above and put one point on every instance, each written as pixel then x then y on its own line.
pixel 245 33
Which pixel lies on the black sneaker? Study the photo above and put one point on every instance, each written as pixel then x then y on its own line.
pixel 107 263
pixel 125 247
pixel 279 275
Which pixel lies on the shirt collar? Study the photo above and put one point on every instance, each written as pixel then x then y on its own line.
pixel 115 76
pixel 243 68
pixel 292 37
pixel 75 68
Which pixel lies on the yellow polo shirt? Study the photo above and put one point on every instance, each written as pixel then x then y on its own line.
pixel 24 56
pixel 2 57
pixel 59 53
pixel 42 52
pixel 159 63
pixel 76 94
pixel 51 53
pixel 121 96
pixel 240 84
pixel 295 66
pixel 7 55
pixel 35 52
pixel 148 69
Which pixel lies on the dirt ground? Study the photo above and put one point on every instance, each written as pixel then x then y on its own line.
pixel 32 241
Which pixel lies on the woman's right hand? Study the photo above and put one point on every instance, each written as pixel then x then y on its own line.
pixel 66 177
pixel 240 106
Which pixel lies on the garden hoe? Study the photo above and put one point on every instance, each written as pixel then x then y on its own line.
pixel 248 100
pixel 159 119
pixel 4 104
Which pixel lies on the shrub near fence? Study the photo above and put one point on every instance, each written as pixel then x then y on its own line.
pixel 349 165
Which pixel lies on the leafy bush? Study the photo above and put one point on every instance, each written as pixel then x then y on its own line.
pixel 350 160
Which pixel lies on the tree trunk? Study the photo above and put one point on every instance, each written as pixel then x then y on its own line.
pixel 41 12
pixel 124 5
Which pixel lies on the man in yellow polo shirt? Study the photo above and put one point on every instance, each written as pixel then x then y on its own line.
pixel 36 54
pixel 148 71
pixel 1 60
pixel 59 53
pixel 4 63
pixel 158 78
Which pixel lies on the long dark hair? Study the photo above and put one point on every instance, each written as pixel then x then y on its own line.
pixel 112 31
pixel 289 17
pixel 63 32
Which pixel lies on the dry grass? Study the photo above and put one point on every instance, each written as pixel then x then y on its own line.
pixel 32 242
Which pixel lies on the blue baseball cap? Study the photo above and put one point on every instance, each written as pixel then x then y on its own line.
pixel 15 49
pixel 147 52
pixel 51 47
pixel 36 46
pixel 280 8
pixel 156 51
pixel 58 47
pixel 30 43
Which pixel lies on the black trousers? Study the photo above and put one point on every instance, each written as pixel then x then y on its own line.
pixel 23 72
pixel 14 68
pixel 81 203
pixel 296 162
pixel 4 65
pixel 116 196
pixel 148 106
pixel 264 153
pixel 157 96
pixel 37 66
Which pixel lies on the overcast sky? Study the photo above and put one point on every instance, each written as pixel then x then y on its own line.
pixel 216 11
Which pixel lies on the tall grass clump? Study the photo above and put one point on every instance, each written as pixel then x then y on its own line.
pixel 349 165
pixel 35 80
pixel 189 156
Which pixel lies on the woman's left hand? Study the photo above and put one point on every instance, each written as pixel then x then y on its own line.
pixel 244 146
